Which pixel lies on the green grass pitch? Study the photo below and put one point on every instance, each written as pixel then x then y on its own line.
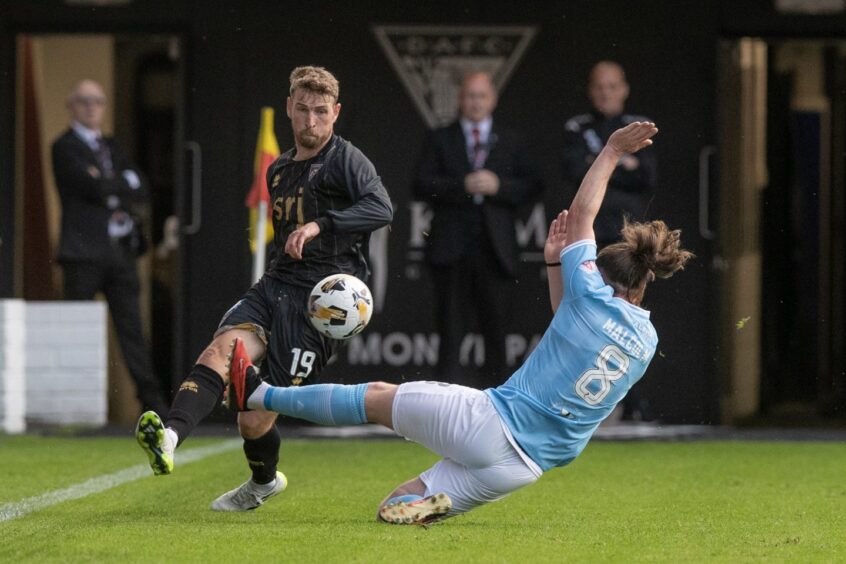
pixel 619 502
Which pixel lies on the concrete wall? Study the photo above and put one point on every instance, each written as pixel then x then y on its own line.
pixel 12 388
pixel 53 363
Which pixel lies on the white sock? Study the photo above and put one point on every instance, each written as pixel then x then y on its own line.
pixel 264 487
pixel 256 399
pixel 174 438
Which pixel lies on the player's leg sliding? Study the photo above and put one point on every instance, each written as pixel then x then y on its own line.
pixel 325 404
pixel 156 441
pixel 412 509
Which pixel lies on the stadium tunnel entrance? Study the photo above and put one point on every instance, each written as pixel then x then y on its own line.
pixel 782 209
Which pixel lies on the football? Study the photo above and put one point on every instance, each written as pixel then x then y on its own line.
pixel 340 306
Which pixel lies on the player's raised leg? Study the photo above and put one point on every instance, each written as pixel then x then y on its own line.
pixel 197 396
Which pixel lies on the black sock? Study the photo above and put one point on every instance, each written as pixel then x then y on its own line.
pixel 198 395
pixel 263 455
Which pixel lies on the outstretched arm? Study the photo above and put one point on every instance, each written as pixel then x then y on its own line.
pixel 588 200
pixel 555 241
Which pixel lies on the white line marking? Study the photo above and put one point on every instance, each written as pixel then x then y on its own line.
pixel 102 483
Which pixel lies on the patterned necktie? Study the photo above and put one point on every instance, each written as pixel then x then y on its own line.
pixel 104 158
pixel 120 222
pixel 479 153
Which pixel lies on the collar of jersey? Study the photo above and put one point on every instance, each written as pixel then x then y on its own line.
pixel 289 155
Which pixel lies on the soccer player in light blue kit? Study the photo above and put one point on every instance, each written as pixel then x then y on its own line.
pixel 495 441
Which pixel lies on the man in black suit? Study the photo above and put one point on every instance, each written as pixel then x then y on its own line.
pixel 101 238
pixel 474 175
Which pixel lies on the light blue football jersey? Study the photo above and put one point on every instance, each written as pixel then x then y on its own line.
pixel 596 348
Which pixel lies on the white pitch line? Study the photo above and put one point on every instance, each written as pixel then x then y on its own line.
pixel 13 510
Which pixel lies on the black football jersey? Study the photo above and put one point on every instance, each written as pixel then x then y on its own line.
pixel 339 190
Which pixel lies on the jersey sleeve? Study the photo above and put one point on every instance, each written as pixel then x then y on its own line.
pixel 579 271
pixel 371 207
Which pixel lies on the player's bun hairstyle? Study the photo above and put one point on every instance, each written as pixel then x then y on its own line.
pixel 315 79
pixel 648 251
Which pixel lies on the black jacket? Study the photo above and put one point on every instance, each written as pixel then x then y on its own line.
pixel 440 182
pixel 629 191
pixel 84 192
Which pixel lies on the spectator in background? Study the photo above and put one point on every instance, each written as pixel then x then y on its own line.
pixel 101 235
pixel 474 174
pixel 633 182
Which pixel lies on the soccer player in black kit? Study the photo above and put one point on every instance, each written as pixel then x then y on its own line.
pixel 326 200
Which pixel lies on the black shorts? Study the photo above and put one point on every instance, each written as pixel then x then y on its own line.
pixel 276 313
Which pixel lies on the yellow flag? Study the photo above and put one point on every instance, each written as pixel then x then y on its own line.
pixel 267 149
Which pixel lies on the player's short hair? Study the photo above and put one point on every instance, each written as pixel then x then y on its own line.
pixel 315 79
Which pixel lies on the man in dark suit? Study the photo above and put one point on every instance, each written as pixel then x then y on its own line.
pixel 474 175
pixel 101 238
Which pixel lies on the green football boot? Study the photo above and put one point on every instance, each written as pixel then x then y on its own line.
pixel 151 435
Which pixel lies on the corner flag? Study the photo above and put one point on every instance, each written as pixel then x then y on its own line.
pixel 258 200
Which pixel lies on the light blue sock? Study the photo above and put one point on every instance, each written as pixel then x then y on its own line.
pixel 407 498
pixel 325 404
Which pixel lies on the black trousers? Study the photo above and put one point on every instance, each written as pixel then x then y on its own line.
pixel 472 295
pixel 117 279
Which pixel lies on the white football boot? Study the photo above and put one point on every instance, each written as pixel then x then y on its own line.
pixel 250 495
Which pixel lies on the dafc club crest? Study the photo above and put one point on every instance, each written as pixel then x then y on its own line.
pixel 430 61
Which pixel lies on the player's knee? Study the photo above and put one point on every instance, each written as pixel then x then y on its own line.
pixel 380 387
pixel 253 424
pixel 216 354
pixel 380 394
pixel 214 357
pixel 378 403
